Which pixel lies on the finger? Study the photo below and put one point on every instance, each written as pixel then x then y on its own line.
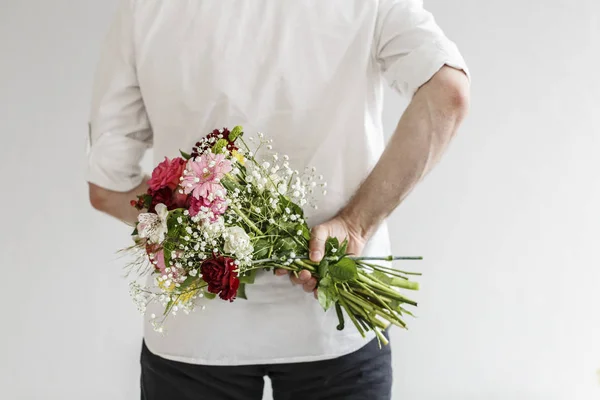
pixel 303 277
pixel 281 272
pixel 310 285
pixel 316 246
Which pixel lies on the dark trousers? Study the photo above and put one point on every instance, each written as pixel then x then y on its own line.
pixel 365 374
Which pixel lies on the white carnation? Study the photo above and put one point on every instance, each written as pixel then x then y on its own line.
pixel 237 242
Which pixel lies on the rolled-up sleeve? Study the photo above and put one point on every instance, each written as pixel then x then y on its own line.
pixel 410 46
pixel 119 129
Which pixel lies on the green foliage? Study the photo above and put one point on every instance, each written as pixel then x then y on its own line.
pixel 175 229
pixel 344 270
pixel 209 295
pixel 189 283
pixel 323 269
pixel 343 247
pixel 168 247
pixel 262 248
pixel 327 293
pixel 235 133
pixel 185 155
pixel 304 229
pixel 241 292
pixel 219 146
pixel 330 244
pixel 285 245
pixel 248 277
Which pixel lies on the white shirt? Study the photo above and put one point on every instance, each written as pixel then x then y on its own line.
pixel 306 73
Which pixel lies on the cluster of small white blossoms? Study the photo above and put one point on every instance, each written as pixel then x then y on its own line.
pixel 278 177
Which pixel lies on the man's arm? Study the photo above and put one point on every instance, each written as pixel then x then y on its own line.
pixel 420 139
pixel 120 131
pixel 117 204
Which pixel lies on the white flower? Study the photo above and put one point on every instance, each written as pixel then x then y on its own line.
pixel 153 226
pixel 237 242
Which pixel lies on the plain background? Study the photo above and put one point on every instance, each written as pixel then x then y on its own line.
pixel 509 222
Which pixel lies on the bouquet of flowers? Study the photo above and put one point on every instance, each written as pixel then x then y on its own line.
pixel 215 216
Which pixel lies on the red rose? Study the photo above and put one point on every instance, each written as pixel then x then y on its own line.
pixel 221 275
pixel 167 174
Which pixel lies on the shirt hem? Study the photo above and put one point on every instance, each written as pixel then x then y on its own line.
pixel 263 361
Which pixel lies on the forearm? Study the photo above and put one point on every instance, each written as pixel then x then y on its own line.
pixel 421 137
pixel 117 204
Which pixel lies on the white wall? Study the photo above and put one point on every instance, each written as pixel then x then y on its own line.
pixel 508 222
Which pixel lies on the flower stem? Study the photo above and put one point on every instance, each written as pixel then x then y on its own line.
pixel 352 316
pixel 246 220
pixel 304 265
pixel 387 258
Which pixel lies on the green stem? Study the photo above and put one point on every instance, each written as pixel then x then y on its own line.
pixel 384 269
pixel 387 258
pixel 405 284
pixel 352 316
pixel 246 220
pixel 363 277
pixel 355 299
pixel 304 265
pixel 375 295
pixel 381 338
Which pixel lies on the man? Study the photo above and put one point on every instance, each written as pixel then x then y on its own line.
pixel 309 75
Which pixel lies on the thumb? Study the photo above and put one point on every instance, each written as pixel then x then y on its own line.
pixel 316 246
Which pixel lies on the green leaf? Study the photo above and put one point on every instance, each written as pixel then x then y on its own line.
pixel 330 244
pixel 325 282
pixel 185 155
pixel 343 247
pixel 147 200
pixel 261 248
pixel 174 228
pixel 304 229
pixel 241 292
pixel 344 270
pixel 209 295
pixel 326 296
pixel 323 268
pixel 285 245
pixel 248 277
pixel 135 232
pixel 168 248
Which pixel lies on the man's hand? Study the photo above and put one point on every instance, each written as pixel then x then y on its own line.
pixel 117 204
pixel 339 227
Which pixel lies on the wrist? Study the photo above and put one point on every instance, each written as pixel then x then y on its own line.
pixel 359 222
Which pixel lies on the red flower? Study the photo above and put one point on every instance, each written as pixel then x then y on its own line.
pixel 167 174
pixel 221 275
pixel 163 195
pixel 206 144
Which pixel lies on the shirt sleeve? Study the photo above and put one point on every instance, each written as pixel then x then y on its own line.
pixel 410 46
pixel 119 129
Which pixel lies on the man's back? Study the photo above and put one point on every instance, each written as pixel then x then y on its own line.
pixel 309 75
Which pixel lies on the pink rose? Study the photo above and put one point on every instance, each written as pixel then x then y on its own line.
pixel 167 174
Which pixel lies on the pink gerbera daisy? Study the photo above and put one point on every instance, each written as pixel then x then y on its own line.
pixel 203 176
